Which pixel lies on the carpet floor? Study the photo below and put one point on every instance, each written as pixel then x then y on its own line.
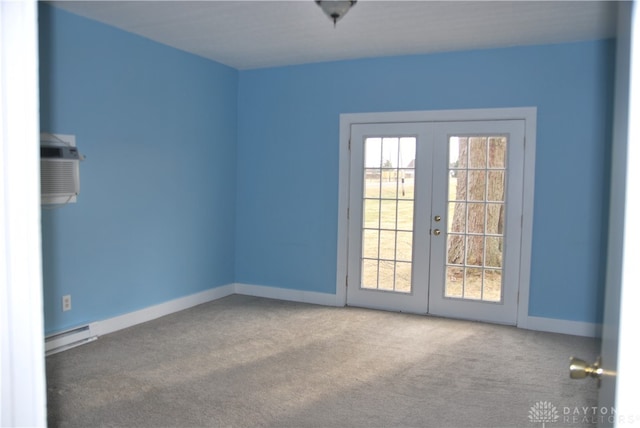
pixel 252 362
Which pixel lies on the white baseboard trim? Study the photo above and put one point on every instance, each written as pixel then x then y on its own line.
pixel 290 295
pixel 130 319
pixel 551 325
pixel 62 341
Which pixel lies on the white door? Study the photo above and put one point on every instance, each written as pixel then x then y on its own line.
pixel 434 217
pixel 618 393
pixel 387 248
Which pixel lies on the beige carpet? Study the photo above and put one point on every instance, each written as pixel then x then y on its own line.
pixel 252 362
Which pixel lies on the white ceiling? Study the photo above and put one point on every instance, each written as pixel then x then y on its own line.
pixel 253 34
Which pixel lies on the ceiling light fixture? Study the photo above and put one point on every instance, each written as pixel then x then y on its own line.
pixel 335 9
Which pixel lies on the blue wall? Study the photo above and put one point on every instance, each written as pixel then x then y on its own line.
pixel 198 175
pixel 288 158
pixel 155 217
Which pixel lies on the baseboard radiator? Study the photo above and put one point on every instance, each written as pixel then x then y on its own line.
pixel 68 339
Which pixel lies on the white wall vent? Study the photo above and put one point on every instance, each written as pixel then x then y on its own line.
pixel 59 169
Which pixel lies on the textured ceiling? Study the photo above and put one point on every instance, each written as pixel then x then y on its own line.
pixel 255 34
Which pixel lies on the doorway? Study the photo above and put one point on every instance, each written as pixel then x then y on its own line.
pixel 435 217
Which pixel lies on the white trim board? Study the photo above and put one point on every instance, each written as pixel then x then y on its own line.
pixel 551 325
pixel 110 325
pixel 290 295
pixel 120 322
pixel 23 393
pixel 130 319
pixel 59 342
pixel 64 340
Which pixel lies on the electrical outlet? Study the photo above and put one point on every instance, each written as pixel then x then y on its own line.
pixel 66 303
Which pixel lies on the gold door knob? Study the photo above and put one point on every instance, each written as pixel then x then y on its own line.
pixel 436 232
pixel 580 369
pixel 437 218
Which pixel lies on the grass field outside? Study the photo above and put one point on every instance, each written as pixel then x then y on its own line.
pixel 387 247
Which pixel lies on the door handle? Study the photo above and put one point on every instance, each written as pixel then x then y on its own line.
pixel 580 369
pixel 436 232
pixel 437 218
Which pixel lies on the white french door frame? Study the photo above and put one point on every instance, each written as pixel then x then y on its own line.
pixel 527 114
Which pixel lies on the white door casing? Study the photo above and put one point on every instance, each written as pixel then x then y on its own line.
pixel 346 235
pixel 22 365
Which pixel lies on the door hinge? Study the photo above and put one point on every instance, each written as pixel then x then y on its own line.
pixel 346 281
pixel 348 213
pixel 349 144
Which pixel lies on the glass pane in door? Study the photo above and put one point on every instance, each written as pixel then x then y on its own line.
pixel 388 207
pixel 476 213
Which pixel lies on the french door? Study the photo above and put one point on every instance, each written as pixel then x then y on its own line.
pixel 435 217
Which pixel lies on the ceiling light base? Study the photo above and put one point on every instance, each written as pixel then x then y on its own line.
pixel 335 9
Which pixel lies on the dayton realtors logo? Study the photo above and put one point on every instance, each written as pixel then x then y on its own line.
pixel 543 412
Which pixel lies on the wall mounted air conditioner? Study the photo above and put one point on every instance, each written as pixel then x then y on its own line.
pixel 59 169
